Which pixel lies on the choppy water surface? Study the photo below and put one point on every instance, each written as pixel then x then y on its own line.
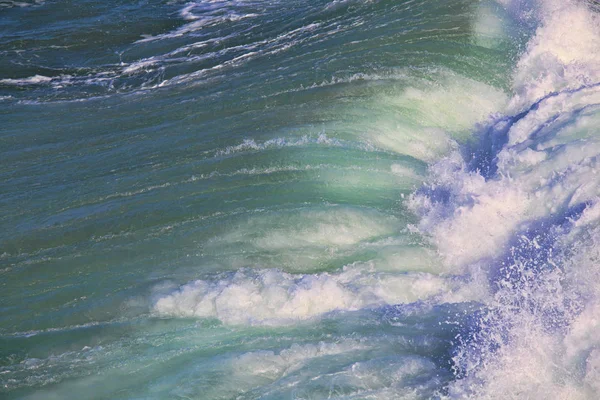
pixel 300 200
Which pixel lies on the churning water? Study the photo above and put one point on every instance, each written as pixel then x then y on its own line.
pixel 251 199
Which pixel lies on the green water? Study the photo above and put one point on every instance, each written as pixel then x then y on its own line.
pixel 147 145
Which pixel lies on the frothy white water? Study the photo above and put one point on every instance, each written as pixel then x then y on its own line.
pixel 563 54
pixel 518 215
pixel 273 297
pixel 32 80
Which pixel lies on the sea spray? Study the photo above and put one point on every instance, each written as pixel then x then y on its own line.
pixel 514 207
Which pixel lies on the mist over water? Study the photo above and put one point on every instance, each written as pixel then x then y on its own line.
pixel 300 200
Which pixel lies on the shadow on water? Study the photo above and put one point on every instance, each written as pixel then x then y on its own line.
pixel 527 283
pixel 482 156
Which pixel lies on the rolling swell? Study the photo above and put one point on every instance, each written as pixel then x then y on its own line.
pixel 340 199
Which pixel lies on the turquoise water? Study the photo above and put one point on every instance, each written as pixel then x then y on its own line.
pixel 299 200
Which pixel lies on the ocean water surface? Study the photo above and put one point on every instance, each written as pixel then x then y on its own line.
pixel 285 199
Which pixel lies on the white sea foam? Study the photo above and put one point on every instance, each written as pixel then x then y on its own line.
pixel 524 208
pixel 32 80
pixel 273 297
pixel 514 227
pixel 563 54
pixel 537 176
